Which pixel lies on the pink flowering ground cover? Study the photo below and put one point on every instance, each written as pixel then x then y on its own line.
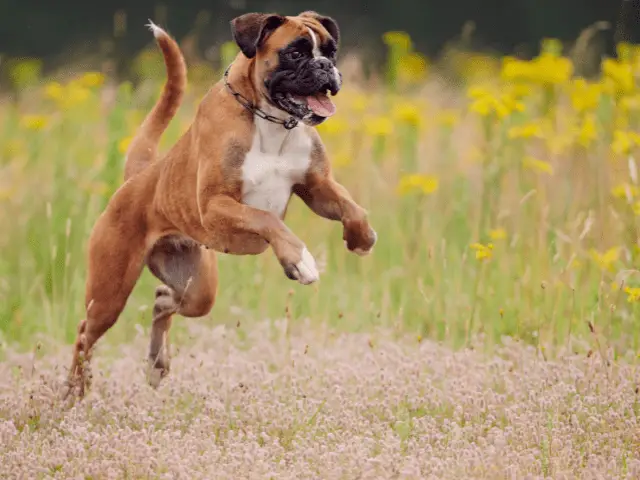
pixel 269 401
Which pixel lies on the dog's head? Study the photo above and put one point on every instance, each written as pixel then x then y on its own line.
pixel 295 61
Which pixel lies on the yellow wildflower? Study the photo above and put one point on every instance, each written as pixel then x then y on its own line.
pixel 407 113
pixel 483 252
pixel 54 91
pixel 498 234
pixel 546 69
pixel 34 122
pixel 412 67
pixel 605 260
pixel 380 126
pixel 633 294
pixel 537 165
pixel 625 190
pixel 528 130
pixel 550 69
pixel 587 132
pixel 636 209
pixel 625 141
pixel 486 103
pixel 448 118
pixel 619 74
pixel 335 126
pixel 397 39
pixel 91 79
pixel 417 183
pixel 585 96
pixel 123 145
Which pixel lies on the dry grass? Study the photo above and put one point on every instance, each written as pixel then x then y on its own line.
pixel 270 402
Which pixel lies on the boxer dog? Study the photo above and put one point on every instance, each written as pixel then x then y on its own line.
pixel 225 184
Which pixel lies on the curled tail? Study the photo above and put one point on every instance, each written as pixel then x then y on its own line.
pixel 143 147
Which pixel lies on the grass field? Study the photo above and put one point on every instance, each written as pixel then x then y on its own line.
pixel 506 198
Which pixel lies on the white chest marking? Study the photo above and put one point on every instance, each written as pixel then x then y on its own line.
pixel 277 160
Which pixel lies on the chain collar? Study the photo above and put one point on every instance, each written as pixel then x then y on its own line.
pixel 289 123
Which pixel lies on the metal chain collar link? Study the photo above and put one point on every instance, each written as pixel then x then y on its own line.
pixel 289 123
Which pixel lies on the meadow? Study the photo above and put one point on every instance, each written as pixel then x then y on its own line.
pixel 506 197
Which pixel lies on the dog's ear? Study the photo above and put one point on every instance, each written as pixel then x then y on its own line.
pixel 327 22
pixel 251 29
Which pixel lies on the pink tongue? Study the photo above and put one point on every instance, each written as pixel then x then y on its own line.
pixel 321 105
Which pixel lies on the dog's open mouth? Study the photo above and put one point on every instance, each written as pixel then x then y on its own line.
pixel 319 103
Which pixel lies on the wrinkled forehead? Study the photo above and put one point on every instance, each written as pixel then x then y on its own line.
pixel 296 28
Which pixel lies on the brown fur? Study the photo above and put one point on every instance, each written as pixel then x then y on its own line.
pixel 167 210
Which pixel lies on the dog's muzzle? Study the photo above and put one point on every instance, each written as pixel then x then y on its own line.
pixel 305 93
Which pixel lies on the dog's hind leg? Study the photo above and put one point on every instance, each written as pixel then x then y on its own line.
pixel 190 276
pixel 115 260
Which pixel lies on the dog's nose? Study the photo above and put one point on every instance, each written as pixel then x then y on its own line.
pixel 324 64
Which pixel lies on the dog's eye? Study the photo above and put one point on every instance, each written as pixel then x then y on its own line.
pixel 295 55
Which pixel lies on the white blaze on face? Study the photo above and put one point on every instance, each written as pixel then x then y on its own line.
pixel 318 54
pixel 314 39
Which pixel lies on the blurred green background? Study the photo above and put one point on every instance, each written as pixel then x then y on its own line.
pixel 54 30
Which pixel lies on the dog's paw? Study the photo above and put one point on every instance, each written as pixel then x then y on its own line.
pixel 361 244
pixel 305 271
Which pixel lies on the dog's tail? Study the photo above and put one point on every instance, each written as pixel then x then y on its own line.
pixel 143 147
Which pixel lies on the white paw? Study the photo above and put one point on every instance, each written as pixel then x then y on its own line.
pixel 307 269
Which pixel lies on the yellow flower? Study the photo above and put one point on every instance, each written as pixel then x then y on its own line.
pixel 587 132
pixel 546 69
pixel 537 165
pixel 625 141
pixel 636 209
pixel 550 69
pixel 448 118
pixel 625 190
pixel 585 96
pixel 483 252
pixel 619 74
pixel 123 144
pixel 417 183
pixel 605 260
pixel 486 103
pixel 412 67
pixel 397 39
pixel 67 96
pixel 498 234
pixel 334 126
pixel 54 91
pixel 528 130
pixel 633 294
pixel 407 113
pixel 34 122
pixel 91 79
pixel 378 126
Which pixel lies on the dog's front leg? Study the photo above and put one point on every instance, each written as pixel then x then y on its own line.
pixel 330 200
pixel 235 228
